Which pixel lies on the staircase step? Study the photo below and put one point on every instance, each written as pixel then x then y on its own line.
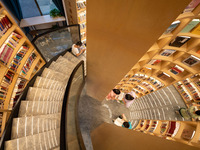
pixel 34 108
pixel 26 126
pixel 45 83
pixel 39 94
pixel 62 67
pixel 67 62
pixel 71 57
pixel 54 75
pixel 45 140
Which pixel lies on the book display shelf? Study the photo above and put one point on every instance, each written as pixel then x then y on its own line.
pixel 187 132
pixel 19 61
pixel 174 57
pixel 76 14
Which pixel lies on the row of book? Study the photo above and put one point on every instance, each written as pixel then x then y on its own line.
pixel 163 76
pixel 82 16
pixel 183 91
pixel 28 64
pixel 81 5
pixel 18 89
pixel 5 24
pixel 176 70
pixel 148 86
pixel 8 47
pixel 18 57
pixel 155 82
pixel 193 90
pixel 83 35
pixel 8 77
pixel 83 25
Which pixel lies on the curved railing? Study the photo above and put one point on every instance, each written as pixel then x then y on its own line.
pixel 70 131
pixel 65 128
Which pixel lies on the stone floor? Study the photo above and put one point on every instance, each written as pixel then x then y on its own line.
pixel 160 105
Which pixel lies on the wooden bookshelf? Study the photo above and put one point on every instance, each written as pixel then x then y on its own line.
pixel 186 132
pixel 158 60
pixel 76 14
pixel 10 76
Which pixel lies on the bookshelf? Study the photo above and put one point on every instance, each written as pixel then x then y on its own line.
pixel 186 132
pixel 76 14
pixel 15 56
pixel 169 61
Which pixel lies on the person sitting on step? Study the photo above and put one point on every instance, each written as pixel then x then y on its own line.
pixel 78 48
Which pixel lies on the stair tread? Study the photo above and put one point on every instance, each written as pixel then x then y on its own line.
pixel 46 83
pixel 46 140
pixel 33 108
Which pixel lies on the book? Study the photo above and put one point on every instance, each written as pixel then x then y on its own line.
pixel 196 30
pixel 172 27
pixel 190 26
pixel 192 5
pixel 167 52
pixel 154 62
pixel 176 69
pixel 163 76
pixel 179 41
pixel 187 134
pixel 191 61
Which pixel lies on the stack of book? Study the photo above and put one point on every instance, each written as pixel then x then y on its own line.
pixel 188 134
pixel 197 82
pixel 8 77
pixel 191 61
pixel 163 127
pixel 153 126
pixel 5 24
pixel 164 76
pixel 179 41
pixel 18 57
pixel 167 52
pixel 192 5
pixel 8 47
pixel 190 25
pixel 28 64
pixel 183 91
pixel 82 16
pixel 80 5
pixel 147 124
pixel 193 90
pixel 154 62
pixel 176 70
pixel 19 87
pixel 171 129
pixel 172 27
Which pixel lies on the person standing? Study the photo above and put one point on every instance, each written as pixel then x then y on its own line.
pixel 129 98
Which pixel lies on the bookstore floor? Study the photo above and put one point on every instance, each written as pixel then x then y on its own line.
pixel 160 105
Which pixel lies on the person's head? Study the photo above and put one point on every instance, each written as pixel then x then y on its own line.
pixel 79 43
pixel 197 112
pixel 126 124
pixel 129 97
pixel 116 91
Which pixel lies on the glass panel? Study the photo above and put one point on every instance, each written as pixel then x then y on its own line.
pixel 46 6
pixel 71 108
pixel 55 42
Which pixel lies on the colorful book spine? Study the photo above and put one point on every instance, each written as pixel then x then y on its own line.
pixel 8 47
pixel 18 57
pixel 5 24
pixel 28 64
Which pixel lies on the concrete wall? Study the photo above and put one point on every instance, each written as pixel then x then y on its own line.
pixel 119 32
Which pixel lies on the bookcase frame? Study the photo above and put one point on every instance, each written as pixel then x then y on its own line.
pixel 5 67
pixel 166 63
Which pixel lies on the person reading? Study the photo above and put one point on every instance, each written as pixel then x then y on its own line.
pixel 78 48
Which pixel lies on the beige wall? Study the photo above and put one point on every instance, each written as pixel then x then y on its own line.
pixel 111 137
pixel 119 32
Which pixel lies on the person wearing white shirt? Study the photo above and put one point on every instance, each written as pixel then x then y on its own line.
pixel 78 49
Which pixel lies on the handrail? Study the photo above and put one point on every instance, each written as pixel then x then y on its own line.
pixel 63 138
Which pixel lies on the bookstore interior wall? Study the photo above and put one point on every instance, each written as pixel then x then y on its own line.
pixel 173 59
pixel 19 61
pixel 117 38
